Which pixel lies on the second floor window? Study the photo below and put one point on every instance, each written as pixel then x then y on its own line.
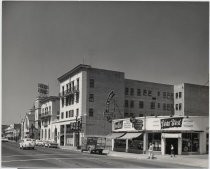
pixel 131 104
pixel 91 98
pixel 126 103
pixel 141 104
pixel 90 112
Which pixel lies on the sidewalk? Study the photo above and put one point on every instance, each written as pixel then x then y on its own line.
pixel 191 160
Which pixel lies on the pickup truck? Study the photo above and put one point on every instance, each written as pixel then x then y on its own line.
pixel 93 144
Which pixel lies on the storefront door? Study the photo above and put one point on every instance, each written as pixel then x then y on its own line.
pixel 174 142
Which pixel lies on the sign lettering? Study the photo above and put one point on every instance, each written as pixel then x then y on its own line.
pixel 171 122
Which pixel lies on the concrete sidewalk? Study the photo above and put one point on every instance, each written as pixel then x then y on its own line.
pixel 191 160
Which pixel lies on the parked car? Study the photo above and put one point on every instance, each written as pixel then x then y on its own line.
pixel 4 139
pixel 93 144
pixel 51 144
pixel 27 143
pixel 39 143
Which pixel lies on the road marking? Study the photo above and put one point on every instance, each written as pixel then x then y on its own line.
pixel 37 155
pixel 41 159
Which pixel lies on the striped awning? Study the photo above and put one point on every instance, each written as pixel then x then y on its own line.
pixel 130 135
pixel 114 135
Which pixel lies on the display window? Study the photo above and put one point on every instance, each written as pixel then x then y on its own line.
pixel 118 143
pixel 190 142
pixel 136 143
pixel 155 139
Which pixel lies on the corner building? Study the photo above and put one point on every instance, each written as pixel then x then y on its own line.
pixel 84 93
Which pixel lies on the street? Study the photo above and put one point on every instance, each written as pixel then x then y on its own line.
pixel 12 156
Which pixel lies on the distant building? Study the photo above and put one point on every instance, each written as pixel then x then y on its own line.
pixel 49 110
pixel 13 132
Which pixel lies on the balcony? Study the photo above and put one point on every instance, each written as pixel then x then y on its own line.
pixel 46 115
pixel 69 92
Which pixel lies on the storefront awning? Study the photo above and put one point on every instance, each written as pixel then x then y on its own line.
pixel 130 135
pixel 114 135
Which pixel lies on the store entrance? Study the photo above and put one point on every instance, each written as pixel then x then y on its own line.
pixel 174 142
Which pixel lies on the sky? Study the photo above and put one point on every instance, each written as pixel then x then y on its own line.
pixel 163 42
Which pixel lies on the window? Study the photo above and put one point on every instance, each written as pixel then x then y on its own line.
pixel 190 142
pixel 164 106
pixel 180 106
pixel 78 84
pixel 77 112
pixel 132 92
pixel 91 97
pixel 152 105
pixel 62 102
pixel 67 114
pixel 168 95
pixel 67 101
pixel 155 139
pixel 180 94
pixel 158 105
pixel 126 103
pixel 90 112
pixel 158 93
pixel 177 107
pixel 149 93
pixel 168 107
pixel 144 92
pixel 49 133
pixel 131 104
pixel 164 95
pixel 176 95
pixel 126 91
pixel 72 85
pixel 63 90
pixel 62 115
pixel 141 104
pixel 92 85
pixel 138 92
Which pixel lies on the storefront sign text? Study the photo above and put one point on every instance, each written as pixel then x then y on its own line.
pixel 171 122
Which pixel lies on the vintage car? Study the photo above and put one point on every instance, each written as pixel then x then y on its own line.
pixel 27 143
pixel 51 144
pixel 93 144
pixel 39 143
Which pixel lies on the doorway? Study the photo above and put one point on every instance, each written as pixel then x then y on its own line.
pixel 174 142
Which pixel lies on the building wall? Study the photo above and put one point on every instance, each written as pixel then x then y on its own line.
pixel 196 100
pixel 104 82
pixel 147 92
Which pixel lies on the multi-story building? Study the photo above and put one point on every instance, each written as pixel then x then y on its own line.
pixel 191 100
pixel 49 110
pixel 148 99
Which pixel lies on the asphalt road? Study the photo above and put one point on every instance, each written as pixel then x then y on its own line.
pixel 12 156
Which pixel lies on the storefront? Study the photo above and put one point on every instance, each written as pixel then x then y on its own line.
pixel 188 135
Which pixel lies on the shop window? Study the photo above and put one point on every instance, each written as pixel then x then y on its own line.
pixel 91 98
pixel 126 103
pixel 141 104
pixel 136 143
pixel 190 142
pixel 138 92
pixel 126 91
pixel 132 92
pixel 118 143
pixel 155 139
pixel 92 83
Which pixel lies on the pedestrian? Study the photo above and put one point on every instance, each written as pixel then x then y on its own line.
pixel 150 151
pixel 172 150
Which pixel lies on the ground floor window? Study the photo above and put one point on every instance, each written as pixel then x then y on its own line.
pixel 190 142
pixel 118 143
pixel 136 143
pixel 155 139
pixel 69 139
